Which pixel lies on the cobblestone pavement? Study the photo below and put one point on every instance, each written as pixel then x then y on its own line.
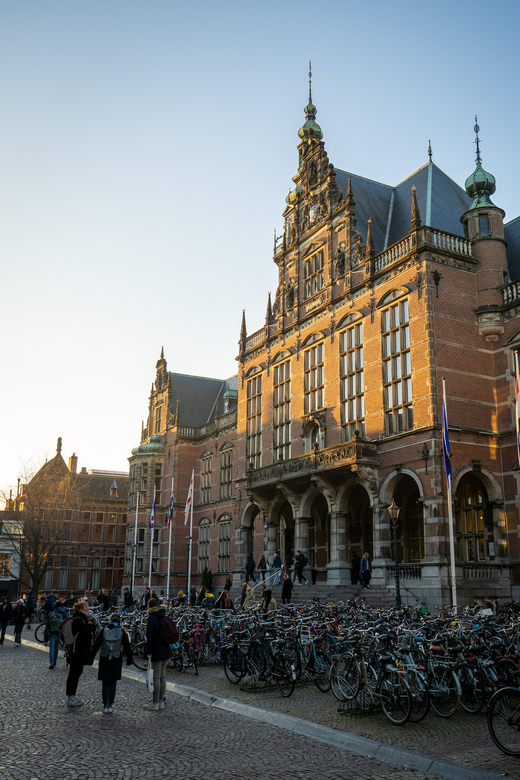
pixel 43 740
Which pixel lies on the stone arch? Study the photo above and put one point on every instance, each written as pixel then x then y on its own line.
pixel 492 486
pixel 357 506
pixel 387 488
pixel 346 489
pixel 479 517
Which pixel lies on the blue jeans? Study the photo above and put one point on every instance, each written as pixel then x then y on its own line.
pixel 277 576
pixel 54 646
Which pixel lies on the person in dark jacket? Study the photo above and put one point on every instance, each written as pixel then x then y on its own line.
pixel 79 651
pixel 262 566
pixel 158 651
pixel 180 601
pixel 224 601
pixel 109 669
pixel 287 586
pixel 128 600
pixel 19 617
pixel 201 595
pixel 6 611
pixel 250 568
pixel 103 599
pixel 30 604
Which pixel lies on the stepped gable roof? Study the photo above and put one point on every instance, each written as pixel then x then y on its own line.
pixel 199 397
pixel 441 203
pixel 512 236
pixel 96 486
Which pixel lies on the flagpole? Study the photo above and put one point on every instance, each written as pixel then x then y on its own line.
pixel 170 523
pixel 453 576
pixel 134 551
pixel 151 541
pixel 517 410
pixel 191 535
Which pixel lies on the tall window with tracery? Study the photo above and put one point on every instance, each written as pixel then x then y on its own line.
pixel 224 543
pixel 473 522
pixel 204 543
pixel 205 479
pixel 313 378
pixel 352 386
pixel 314 274
pixel 254 422
pixel 226 473
pixel 397 368
pixel 282 410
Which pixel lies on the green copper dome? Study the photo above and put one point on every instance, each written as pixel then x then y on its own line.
pixel 154 446
pixel 311 127
pixel 479 186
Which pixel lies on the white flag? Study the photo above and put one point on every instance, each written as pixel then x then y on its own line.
pixel 189 500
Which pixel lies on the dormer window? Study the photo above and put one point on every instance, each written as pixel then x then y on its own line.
pixel 113 490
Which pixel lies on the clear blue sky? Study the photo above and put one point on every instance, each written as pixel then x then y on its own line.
pixel 146 149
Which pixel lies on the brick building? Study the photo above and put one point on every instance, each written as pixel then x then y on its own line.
pixel 89 508
pixel 382 292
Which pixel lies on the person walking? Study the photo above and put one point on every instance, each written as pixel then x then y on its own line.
pixel 145 598
pixel 249 595
pixel 355 565
pixel 128 600
pixel 366 570
pixel 277 566
pixel 19 618
pixel 79 651
pixel 113 642
pixel 300 562
pixel 262 566
pixel 30 604
pixel 6 611
pixel 159 652
pixel 54 621
pixel 250 568
pixel 287 586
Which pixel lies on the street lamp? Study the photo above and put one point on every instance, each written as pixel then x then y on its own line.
pixel 393 511
pixel 188 568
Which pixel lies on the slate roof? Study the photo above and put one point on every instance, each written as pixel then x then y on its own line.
pixel 96 487
pixel 441 203
pixel 199 397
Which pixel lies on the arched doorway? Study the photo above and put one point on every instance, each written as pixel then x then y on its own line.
pixel 473 521
pixel 360 526
pixel 319 532
pixel 410 527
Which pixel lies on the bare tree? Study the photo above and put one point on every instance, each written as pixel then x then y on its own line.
pixel 33 522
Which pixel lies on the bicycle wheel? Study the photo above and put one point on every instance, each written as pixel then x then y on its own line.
pixel 505 671
pixel 39 633
pixel 139 656
pixel 190 661
pixel 256 660
pixel 503 717
pixel 321 671
pixel 395 697
pixel 345 677
pixel 471 691
pixel 284 675
pixel 234 664
pixel 444 690
pixel 420 696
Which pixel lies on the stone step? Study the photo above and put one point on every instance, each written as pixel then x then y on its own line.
pixel 375 595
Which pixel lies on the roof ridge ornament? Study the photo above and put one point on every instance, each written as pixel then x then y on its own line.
pixel 310 81
pixel 429 151
pixel 477 140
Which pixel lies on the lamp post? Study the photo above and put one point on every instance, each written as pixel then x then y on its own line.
pixel 92 553
pixel 188 568
pixel 393 511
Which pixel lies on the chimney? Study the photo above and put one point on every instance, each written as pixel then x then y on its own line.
pixel 73 463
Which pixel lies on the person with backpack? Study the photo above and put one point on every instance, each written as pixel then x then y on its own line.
pixel 78 650
pixel 161 632
pixel 112 642
pixel 300 562
pixel 54 621
pixel 19 619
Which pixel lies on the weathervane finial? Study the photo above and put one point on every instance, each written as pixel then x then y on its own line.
pixel 477 139
pixel 310 81
pixel 430 151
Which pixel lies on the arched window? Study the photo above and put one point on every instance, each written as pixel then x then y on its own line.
pixel 204 543
pixel 473 521
pixel 224 543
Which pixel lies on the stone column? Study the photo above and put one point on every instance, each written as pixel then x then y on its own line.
pixel 301 534
pixel 243 541
pixel 338 569
pixel 382 543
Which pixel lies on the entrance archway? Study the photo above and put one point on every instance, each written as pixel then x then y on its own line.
pixel 285 534
pixel 410 529
pixel 319 532
pixel 360 526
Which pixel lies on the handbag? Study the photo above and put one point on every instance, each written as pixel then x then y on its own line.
pixel 149 676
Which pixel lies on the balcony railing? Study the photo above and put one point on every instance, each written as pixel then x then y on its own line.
pixel 407 571
pixel 256 338
pixel 482 571
pixel 511 293
pixel 449 242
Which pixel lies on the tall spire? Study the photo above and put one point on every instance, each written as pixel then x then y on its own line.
pixel 310 83
pixel 268 313
pixel 243 332
pixel 415 220
pixel 481 184
pixel 429 151
pixel 311 128
pixel 369 251
pixel 477 140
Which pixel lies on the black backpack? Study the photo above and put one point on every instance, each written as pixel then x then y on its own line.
pixel 168 631
pixel 304 560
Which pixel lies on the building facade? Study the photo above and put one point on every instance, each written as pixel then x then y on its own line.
pixel 383 292
pixel 87 514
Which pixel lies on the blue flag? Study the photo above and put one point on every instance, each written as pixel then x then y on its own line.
pixel 446 445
